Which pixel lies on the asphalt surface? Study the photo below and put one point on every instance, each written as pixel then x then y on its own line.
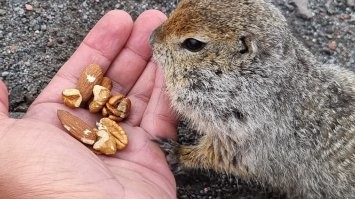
pixel 37 37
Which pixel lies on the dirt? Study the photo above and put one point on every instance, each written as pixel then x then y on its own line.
pixel 37 37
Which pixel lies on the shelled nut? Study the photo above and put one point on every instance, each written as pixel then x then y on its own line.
pixel 101 96
pixel 72 97
pixel 91 76
pixel 77 127
pixel 117 108
pixel 111 137
pixel 105 144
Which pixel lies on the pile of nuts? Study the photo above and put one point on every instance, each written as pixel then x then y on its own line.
pixel 93 91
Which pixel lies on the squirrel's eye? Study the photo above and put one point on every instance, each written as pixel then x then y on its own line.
pixel 193 45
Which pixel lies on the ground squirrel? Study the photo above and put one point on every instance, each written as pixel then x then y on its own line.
pixel 266 108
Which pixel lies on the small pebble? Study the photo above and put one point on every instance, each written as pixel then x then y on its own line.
pixel 2 12
pixel 44 27
pixel 13 48
pixel 50 42
pixel 303 10
pixel 4 74
pixel 350 2
pixel 28 7
pixel 19 11
pixel 332 45
pixel 352 19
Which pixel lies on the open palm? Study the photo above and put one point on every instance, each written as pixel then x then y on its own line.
pixel 38 159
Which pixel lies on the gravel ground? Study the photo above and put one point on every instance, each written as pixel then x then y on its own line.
pixel 37 37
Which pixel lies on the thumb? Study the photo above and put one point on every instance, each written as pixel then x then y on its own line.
pixel 4 100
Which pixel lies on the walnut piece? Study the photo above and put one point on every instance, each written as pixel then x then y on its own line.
pixel 101 96
pixel 111 137
pixel 72 97
pixel 117 108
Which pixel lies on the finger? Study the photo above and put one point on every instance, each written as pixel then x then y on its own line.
pixel 100 46
pixel 4 100
pixel 132 60
pixel 140 94
pixel 159 119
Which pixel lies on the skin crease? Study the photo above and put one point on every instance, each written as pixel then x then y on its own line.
pixel 38 159
pixel 267 110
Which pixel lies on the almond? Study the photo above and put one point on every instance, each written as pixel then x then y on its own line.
pixel 77 127
pixel 91 76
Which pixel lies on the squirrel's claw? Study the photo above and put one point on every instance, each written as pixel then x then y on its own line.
pixel 171 149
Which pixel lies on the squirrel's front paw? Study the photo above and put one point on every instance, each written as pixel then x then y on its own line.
pixel 171 150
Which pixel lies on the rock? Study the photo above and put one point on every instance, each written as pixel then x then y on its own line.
pixel 50 42
pixel 22 107
pixel 332 45
pixel 28 7
pixel 350 2
pixel 4 74
pixel 13 48
pixel 43 27
pixel 302 8
pixel 19 11
pixel 352 19
pixel 2 12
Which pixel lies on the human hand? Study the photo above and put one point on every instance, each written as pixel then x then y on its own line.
pixel 38 159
